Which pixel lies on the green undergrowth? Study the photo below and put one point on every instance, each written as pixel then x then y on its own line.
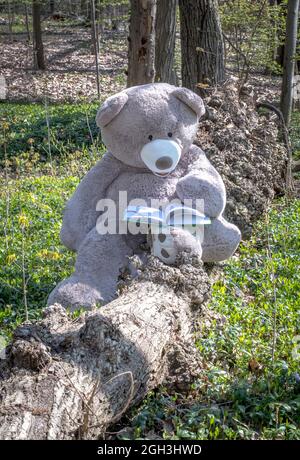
pixel 41 133
pixel 250 384
pixel 31 256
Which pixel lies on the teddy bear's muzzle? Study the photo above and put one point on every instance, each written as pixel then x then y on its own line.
pixel 161 156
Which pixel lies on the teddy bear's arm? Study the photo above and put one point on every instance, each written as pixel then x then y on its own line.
pixel 202 181
pixel 80 214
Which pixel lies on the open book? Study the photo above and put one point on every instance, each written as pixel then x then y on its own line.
pixel 174 215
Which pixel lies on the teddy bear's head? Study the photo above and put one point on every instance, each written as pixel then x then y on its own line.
pixel 150 125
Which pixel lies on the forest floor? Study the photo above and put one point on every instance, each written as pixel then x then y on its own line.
pixel 70 65
pixel 70 74
pixel 250 387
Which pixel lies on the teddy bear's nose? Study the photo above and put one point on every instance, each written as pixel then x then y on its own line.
pixel 161 156
pixel 164 163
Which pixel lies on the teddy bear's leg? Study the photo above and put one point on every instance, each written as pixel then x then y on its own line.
pixel 220 240
pixel 167 246
pixel 98 264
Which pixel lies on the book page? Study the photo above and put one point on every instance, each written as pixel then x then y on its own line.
pixel 180 215
pixel 143 214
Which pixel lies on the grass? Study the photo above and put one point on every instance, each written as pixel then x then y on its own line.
pixel 72 128
pixel 250 387
pixel 31 231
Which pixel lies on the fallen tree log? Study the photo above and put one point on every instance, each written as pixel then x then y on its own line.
pixel 70 379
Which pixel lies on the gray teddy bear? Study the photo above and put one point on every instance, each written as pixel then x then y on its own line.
pixel 148 131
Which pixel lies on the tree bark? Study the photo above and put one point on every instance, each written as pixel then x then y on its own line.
pixel 71 379
pixel 286 102
pixel 202 48
pixel 38 49
pixel 141 41
pixel 165 35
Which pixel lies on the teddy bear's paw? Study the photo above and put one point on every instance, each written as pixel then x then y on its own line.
pixel 169 247
pixel 221 239
pixel 163 247
pixel 218 252
pixel 186 243
pixel 74 294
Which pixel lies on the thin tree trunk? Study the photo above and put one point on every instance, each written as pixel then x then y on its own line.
pixel 94 36
pixel 165 35
pixel 289 60
pixel 38 49
pixel 65 379
pixel 141 49
pixel 27 23
pixel 95 44
pixel 10 20
pixel 98 22
pixel 202 47
pixel 52 6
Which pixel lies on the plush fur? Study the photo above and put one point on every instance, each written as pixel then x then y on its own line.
pixel 126 121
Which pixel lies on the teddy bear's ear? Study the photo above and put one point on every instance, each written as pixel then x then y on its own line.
pixel 192 100
pixel 110 109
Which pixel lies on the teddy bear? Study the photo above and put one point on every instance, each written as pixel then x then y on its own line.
pixel 148 131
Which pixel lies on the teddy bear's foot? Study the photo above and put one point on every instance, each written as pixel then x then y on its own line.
pixel 168 246
pixel 74 294
pixel 221 239
pixel 99 261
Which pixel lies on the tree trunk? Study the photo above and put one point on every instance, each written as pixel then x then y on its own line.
pixel 52 6
pixel 10 20
pixel 27 23
pixel 95 44
pixel 289 60
pixel 38 49
pixel 165 35
pixel 141 49
pixel 70 379
pixel 202 48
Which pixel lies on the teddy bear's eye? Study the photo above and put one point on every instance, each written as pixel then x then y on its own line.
pixel 170 134
pixel 150 137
